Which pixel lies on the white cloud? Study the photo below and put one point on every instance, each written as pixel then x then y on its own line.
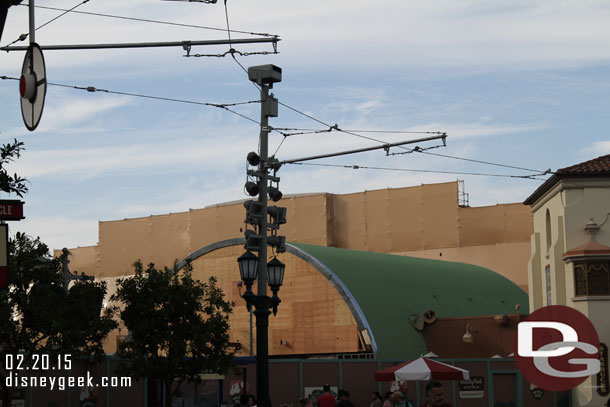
pixel 480 129
pixel 86 163
pixel 60 231
pixel 391 33
pixel 597 149
pixel 75 110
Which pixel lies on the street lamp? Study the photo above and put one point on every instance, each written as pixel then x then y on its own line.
pixel 275 271
pixel 248 269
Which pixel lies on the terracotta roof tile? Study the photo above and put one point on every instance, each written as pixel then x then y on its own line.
pixel 588 249
pixel 597 166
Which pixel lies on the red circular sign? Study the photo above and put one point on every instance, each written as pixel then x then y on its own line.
pixel 22 86
pixel 543 354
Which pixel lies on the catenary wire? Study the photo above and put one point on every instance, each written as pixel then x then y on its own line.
pixel 92 89
pixel 279 130
pixel 358 167
pixel 145 20
pixel 22 37
pixel 482 162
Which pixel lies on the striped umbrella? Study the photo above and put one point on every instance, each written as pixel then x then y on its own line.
pixel 421 369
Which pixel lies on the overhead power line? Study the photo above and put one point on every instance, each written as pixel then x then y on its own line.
pixel 22 37
pixel 355 133
pixel 484 162
pixel 362 167
pixel 92 89
pixel 145 20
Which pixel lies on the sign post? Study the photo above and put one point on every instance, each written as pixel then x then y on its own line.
pixel 10 210
pixel 3 255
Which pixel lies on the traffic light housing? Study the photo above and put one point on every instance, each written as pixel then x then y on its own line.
pixel 279 242
pixel 253 241
pixel 254 212
pixel 277 215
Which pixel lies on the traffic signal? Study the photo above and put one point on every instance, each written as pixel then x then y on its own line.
pixel 254 212
pixel 274 193
pixel 277 215
pixel 279 242
pixel 252 188
pixel 253 241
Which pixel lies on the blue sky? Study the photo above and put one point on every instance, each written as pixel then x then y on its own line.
pixel 522 83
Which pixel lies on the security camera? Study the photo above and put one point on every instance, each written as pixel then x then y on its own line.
pixel 265 74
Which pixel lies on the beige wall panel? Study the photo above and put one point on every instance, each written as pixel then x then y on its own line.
pixel 482 226
pixel 202 226
pixel 305 316
pixel 306 220
pixel 229 222
pixel 440 214
pixel 343 316
pixel 349 221
pixel 405 212
pixel 169 236
pixel 215 223
pixel 123 242
pixel 331 231
pixel 509 259
pixel 83 260
pixel 508 223
pixel 378 229
pixel 519 222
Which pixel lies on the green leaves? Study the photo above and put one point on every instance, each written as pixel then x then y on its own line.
pixel 178 325
pixel 37 315
pixel 11 183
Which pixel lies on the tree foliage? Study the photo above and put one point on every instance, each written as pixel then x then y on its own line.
pixel 178 326
pixel 11 183
pixel 38 316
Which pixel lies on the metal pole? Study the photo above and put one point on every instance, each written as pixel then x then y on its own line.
pixel 32 23
pixel 362 150
pixel 251 338
pixel 262 301
pixel 182 44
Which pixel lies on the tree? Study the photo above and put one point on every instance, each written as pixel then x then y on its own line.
pixel 178 327
pixel 37 316
pixel 11 183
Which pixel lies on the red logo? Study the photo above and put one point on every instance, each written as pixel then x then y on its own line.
pixel 557 348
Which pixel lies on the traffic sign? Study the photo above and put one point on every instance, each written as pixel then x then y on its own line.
pixel 11 209
pixel 3 255
pixel 32 86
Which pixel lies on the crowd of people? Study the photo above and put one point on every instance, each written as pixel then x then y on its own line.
pixel 435 397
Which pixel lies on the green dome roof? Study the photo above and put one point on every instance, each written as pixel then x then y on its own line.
pixel 386 289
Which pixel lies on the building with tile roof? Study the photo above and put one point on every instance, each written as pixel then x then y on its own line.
pixel 570 259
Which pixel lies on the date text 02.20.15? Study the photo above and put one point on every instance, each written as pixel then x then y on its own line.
pixel 37 362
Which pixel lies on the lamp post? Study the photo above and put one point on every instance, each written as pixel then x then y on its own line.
pixel 253 268
pixel 248 269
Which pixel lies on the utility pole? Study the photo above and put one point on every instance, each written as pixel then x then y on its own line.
pixel 261 310
pixel 257 212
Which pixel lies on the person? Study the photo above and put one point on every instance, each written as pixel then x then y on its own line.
pixel 377 402
pixel 607 403
pixel 326 399
pixel 306 402
pixel 251 401
pixel 435 395
pixel 343 399
pixel 399 399
pixel 243 400
pixel 388 399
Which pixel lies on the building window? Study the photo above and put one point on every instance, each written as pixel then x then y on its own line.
pixel 591 278
pixel 548 230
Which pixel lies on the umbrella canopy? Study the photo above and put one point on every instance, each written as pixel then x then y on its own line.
pixel 421 369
